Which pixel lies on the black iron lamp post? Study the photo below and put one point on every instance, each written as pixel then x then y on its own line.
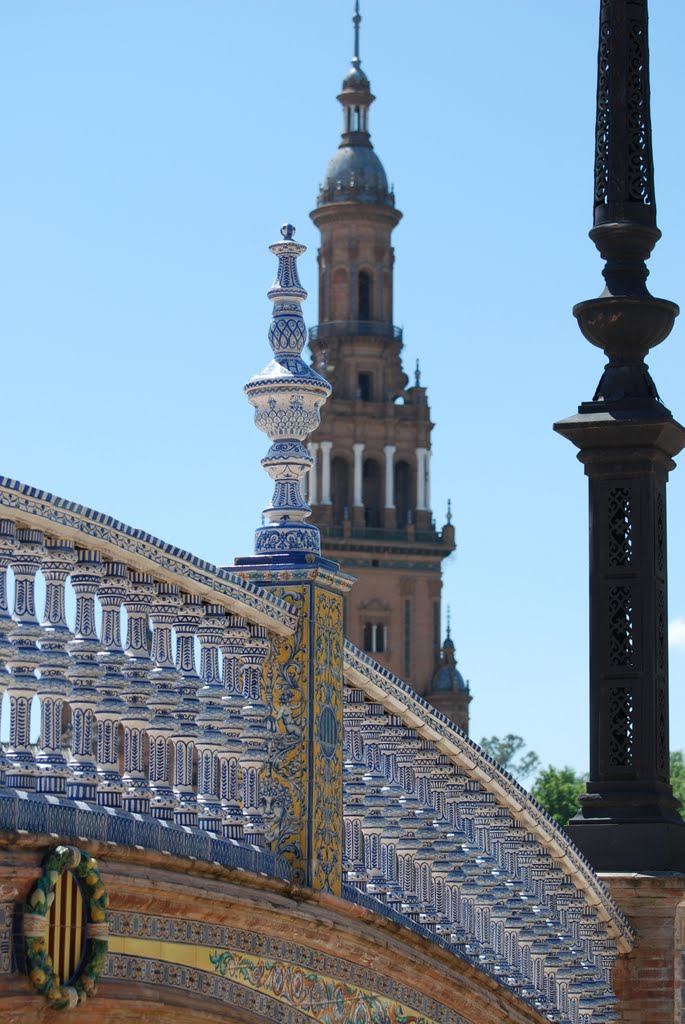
pixel 627 439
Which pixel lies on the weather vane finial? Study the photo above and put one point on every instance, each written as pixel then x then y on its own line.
pixel 449 625
pixel 356 19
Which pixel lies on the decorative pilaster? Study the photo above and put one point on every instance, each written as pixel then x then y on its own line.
pixel 389 514
pixel 51 762
pixel 326 447
pixel 84 673
pixel 627 439
pixel 389 452
pixel 292 744
pixel 287 396
pixel 24 659
pixel 421 454
pixel 358 497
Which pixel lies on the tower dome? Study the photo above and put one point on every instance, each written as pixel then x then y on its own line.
pixel 447 677
pixel 355 174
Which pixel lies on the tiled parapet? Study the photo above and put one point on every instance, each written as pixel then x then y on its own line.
pixel 456 849
pixel 92 685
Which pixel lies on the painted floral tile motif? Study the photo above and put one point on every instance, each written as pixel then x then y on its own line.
pixel 326 1000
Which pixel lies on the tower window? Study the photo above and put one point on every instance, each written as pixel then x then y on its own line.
pixel 364 295
pixel 375 637
pixel 357 119
pixel 365 387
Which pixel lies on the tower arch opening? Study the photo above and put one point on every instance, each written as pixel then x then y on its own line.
pixel 364 295
pixel 402 492
pixel 371 492
pixel 340 488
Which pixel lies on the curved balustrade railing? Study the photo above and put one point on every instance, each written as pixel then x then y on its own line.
pixel 164 753
pixel 160 669
pixel 437 833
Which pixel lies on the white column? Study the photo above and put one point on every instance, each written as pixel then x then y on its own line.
pixel 421 479
pixel 389 451
pixel 326 472
pixel 374 637
pixel 311 475
pixel 428 479
pixel 357 499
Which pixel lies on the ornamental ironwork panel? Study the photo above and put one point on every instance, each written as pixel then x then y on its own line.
pixel 621 710
pixel 620 527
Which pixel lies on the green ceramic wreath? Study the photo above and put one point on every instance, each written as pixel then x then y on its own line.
pixel 36 909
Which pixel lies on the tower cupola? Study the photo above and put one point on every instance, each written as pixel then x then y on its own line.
pixel 355 174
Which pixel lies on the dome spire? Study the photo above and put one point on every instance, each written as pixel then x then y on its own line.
pixel 355 174
pixel 357 21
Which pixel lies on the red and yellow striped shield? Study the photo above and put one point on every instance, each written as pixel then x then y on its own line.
pixel 65 929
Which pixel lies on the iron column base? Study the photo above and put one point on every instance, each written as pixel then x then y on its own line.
pixel 631 846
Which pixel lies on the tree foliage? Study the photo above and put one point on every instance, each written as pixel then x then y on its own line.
pixel 558 791
pixel 678 777
pixel 505 751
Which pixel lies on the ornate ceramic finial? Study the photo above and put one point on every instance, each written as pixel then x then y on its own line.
pixel 357 20
pixel 417 375
pixel 449 510
pixel 287 396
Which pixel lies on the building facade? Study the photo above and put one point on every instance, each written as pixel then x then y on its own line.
pixel 370 482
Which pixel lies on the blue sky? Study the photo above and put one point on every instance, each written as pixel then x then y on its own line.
pixel 151 152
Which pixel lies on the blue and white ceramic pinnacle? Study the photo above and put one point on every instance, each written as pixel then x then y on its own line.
pixel 287 396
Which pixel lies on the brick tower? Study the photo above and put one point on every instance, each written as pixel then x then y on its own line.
pixel 370 485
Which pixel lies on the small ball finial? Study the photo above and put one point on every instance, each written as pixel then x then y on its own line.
pixel 288 231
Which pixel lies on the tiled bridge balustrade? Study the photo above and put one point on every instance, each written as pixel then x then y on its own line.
pixel 169 752
pixel 164 752
pixel 439 837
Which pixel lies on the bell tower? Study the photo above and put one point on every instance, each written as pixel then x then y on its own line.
pixel 369 486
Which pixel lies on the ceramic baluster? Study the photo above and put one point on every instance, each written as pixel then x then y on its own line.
pixel 111 685
pixel 8 544
pixel 84 673
pixel 58 563
pixel 255 735
pixel 24 659
pixel 210 718
pixel 235 635
pixel 164 700
pixel 136 668
pixel 186 625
